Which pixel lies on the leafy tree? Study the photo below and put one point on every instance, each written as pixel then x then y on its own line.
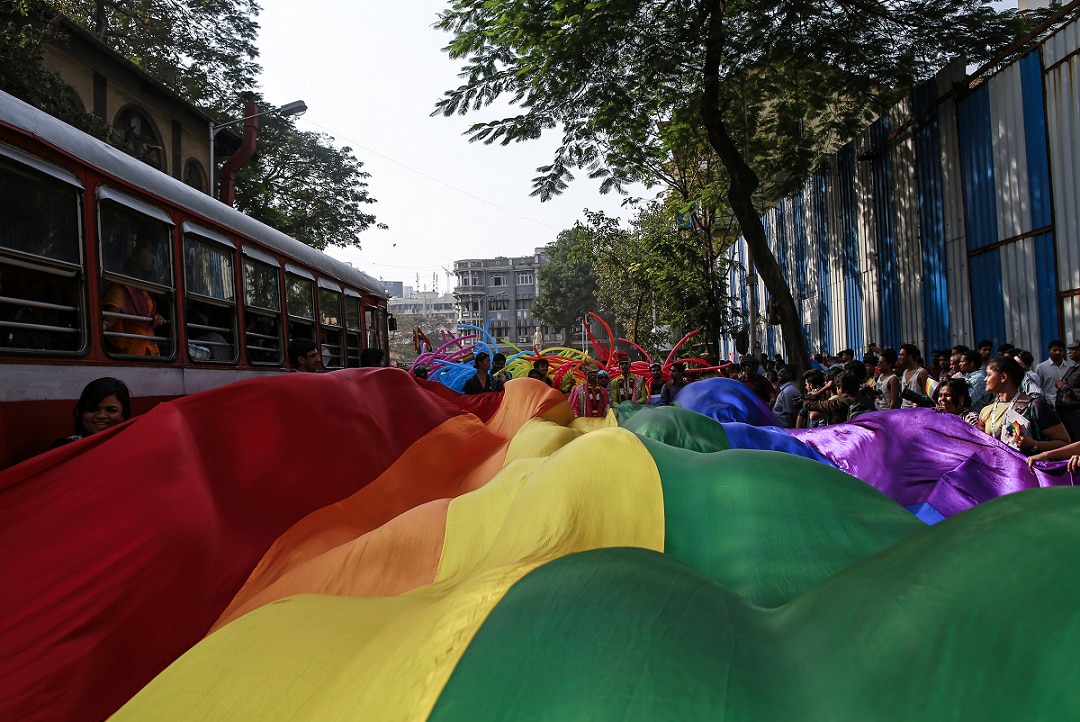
pixel 23 75
pixel 655 274
pixel 306 188
pixel 203 49
pixel 567 285
pixel 775 84
pixel 300 183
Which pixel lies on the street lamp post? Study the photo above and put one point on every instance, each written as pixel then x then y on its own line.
pixel 297 107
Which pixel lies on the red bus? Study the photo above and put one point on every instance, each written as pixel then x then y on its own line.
pixel 81 221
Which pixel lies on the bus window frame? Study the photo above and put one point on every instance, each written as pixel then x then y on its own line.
pixel 293 320
pixel 105 193
pixel 354 336
pixel 326 330
pixel 205 236
pixel 278 315
pixel 23 163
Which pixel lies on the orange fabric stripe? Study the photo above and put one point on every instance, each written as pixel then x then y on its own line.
pixel 345 549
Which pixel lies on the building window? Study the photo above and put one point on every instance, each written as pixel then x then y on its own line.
pixel 498 304
pixel 194 175
pixel 525 278
pixel 134 134
pixel 498 279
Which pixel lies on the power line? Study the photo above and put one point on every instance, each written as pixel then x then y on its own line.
pixel 431 178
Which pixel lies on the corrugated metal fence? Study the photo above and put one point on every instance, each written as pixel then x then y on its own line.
pixel 954 218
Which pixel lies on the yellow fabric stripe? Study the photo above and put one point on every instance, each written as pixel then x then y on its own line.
pixel 337 658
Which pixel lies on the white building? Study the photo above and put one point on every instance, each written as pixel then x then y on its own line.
pixel 503 289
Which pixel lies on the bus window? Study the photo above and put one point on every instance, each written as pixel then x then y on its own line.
pixel 381 315
pixel 371 322
pixel 210 297
pixel 138 307
pixel 353 334
pixel 262 312
pixel 330 327
pixel 42 306
pixel 300 303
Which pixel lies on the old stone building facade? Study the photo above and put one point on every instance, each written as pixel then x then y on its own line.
pixel 149 120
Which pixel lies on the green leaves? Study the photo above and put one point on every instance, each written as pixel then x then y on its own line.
pixel 306 187
pixel 205 50
pixel 670 90
pixel 567 285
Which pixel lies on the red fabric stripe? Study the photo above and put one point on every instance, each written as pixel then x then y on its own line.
pixel 121 551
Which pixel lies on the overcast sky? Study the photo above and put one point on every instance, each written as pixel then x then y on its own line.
pixel 370 72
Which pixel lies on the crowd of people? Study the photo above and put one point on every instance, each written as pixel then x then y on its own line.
pixel 1033 408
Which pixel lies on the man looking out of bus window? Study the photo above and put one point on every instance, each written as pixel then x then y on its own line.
pixel 304 355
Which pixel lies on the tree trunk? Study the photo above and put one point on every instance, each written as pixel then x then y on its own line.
pixel 741 196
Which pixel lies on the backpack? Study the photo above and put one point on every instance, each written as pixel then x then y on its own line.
pixel 856 407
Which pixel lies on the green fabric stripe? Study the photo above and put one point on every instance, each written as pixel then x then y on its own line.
pixel 771 525
pixel 673 426
pixel 610 634
pixel 972 619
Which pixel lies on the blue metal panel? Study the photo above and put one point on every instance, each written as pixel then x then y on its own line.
pixel 884 227
pixel 849 247
pixel 1046 285
pixel 977 167
pixel 928 179
pixel 821 242
pixel 1041 200
pixel 988 291
pixel 1038 162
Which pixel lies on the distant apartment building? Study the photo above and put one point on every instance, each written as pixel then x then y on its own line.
pixel 503 290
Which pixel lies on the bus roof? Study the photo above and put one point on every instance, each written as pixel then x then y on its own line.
pixel 112 161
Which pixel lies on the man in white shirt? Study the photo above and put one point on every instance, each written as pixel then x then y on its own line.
pixel 1053 369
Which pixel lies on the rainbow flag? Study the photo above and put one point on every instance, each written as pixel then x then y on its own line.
pixel 931 387
pixel 366 545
